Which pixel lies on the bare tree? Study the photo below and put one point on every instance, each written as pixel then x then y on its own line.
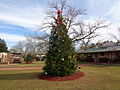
pixel 116 37
pixel 30 45
pixel 35 46
pixel 88 31
pixel 86 42
pixel 18 48
pixel 79 29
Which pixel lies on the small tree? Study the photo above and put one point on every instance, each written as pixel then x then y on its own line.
pixel 28 58
pixel 3 46
pixel 60 55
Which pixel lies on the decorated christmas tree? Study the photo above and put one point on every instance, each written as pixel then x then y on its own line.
pixel 60 55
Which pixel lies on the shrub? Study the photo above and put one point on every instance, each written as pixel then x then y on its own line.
pixel 28 58
pixel 103 60
pixel 89 59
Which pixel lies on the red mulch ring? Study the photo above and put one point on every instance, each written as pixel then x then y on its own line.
pixel 64 78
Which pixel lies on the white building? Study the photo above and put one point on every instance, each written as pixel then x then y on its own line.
pixel 4 57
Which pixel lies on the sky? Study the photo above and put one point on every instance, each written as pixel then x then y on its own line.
pixel 21 17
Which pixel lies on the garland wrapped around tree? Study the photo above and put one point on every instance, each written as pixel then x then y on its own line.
pixel 61 54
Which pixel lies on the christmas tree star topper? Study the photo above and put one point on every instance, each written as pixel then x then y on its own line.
pixel 59 11
pixel 59 21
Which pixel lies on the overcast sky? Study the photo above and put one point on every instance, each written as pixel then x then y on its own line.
pixel 20 17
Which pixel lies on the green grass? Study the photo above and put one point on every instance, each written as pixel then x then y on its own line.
pixel 34 64
pixel 97 77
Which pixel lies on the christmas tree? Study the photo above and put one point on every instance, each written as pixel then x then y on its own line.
pixel 60 55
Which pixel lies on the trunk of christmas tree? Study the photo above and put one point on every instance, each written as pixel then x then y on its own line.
pixel 60 55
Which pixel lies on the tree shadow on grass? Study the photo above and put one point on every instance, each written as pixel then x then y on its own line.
pixel 20 76
pixel 100 64
pixel 105 65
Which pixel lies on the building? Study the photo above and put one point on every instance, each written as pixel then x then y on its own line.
pixel 102 54
pixel 17 57
pixel 6 58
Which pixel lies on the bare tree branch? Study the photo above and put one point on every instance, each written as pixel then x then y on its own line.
pixel 116 36
pixel 91 29
pixel 79 29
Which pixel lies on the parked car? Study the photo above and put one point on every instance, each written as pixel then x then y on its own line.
pixel 37 57
pixel 16 61
pixel 43 57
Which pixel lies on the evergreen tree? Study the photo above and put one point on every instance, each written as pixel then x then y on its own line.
pixel 28 58
pixel 60 55
pixel 3 46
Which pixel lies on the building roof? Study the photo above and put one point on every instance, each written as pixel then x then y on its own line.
pixel 16 53
pixel 101 49
pixel 3 52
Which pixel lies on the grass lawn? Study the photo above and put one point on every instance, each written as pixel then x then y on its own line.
pixel 34 64
pixel 97 77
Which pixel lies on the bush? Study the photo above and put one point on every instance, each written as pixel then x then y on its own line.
pixel 104 60
pixel 81 58
pixel 89 59
pixel 29 58
pixel 4 62
pixel 116 60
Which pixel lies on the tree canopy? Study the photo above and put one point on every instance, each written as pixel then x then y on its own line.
pixel 3 46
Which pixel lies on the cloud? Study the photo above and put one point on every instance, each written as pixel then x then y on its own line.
pixel 108 9
pixel 11 37
pixel 25 22
pixel 24 13
pixel 30 14
pixel 114 11
pixel 97 6
pixel 7 26
pixel 104 33
pixel 20 17
pixel 103 8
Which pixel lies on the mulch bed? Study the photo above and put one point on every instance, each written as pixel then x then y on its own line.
pixel 64 78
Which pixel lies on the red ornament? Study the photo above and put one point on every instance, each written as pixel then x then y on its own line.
pixel 59 11
pixel 53 63
pixel 59 17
